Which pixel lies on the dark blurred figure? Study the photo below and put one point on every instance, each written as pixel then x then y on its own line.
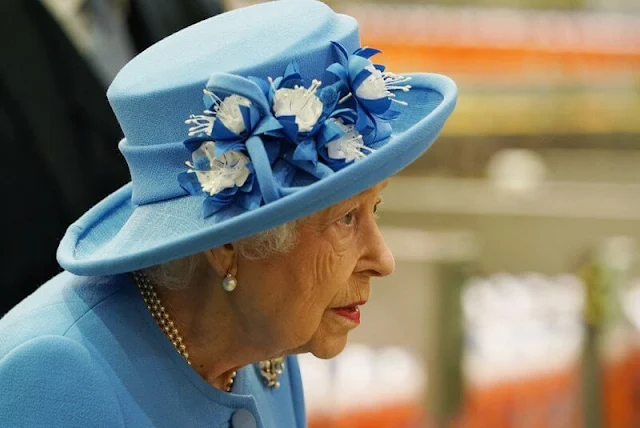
pixel 57 130
pixel 152 20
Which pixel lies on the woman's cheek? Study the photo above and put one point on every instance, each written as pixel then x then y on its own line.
pixel 338 254
pixel 340 239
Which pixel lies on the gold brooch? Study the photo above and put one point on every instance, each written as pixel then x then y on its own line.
pixel 271 371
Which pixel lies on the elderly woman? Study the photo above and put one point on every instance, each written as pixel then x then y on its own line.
pixel 247 235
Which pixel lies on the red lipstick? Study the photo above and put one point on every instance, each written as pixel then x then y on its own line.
pixel 351 313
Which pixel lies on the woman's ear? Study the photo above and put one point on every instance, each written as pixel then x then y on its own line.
pixel 223 259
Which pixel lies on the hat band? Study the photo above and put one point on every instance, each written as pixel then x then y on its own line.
pixel 154 170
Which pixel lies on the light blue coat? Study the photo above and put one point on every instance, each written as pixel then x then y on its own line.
pixel 85 352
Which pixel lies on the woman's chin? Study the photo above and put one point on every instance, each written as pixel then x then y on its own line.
pixel 329 348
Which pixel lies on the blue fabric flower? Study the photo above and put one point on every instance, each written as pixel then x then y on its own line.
pixel 369 89
pixel 300 110
pixel 225 180
pixel 339 142
pixel 230 119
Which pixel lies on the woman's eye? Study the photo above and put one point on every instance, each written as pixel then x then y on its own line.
pixel 375 210
pixel 347 220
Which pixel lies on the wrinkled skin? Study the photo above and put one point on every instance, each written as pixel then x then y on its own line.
pixel 285 301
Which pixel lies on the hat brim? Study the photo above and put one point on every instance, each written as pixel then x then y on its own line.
pixel 117 236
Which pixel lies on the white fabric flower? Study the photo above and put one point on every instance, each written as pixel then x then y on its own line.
pixel 301 103
pixel 380 84
pixel 226 171
pixel 348 147
pixel 228 112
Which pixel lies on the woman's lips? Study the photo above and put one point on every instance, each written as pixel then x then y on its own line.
pixel 352 313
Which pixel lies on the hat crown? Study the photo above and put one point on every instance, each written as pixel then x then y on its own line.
pixel 161 87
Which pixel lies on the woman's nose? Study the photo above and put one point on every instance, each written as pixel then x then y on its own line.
pixel 380 257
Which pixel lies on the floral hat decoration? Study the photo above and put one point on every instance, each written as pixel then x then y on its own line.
pixel 312 128
pixel 294 117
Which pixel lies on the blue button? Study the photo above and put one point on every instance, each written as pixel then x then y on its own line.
pixel 243 419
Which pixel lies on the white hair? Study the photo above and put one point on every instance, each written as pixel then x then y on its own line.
pixel 178 274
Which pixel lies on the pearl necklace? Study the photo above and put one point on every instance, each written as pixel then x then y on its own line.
pixel 164 321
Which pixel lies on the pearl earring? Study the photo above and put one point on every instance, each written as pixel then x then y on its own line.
pixel 229 283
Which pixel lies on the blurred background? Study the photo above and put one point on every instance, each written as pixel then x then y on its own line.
pixel 516 298
pixel 514 302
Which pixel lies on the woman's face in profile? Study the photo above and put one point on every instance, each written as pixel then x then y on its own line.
pixel 290 301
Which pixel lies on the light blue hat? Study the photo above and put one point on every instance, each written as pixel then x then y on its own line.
pixel 245 121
